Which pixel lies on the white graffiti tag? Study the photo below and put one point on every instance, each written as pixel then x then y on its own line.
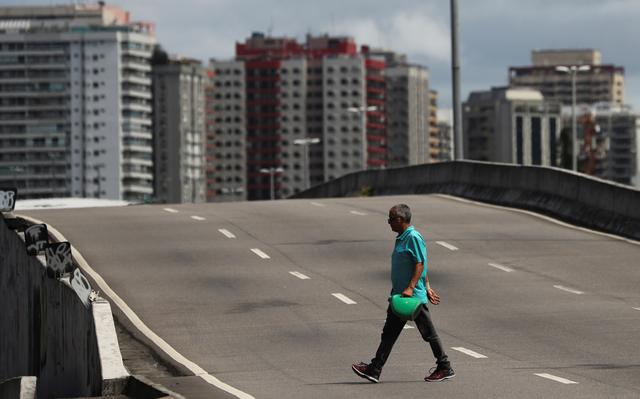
pixel 59 257
pixel 7 200
pixel 81 286
pixel 36 238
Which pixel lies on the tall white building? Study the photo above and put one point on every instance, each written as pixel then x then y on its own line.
pixel 511 125
pixel 75 102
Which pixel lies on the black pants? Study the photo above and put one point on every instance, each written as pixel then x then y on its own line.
pixel 392 329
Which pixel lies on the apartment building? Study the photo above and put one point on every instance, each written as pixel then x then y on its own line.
pixel 408 105
pixel 609 143
pixel 75 102
pixel 511 125
pixel 226 132
pixel 595 83
pixel 179 129
pixel 283 94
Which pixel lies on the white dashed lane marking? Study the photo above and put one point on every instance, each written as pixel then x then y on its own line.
pixel 407 327
pixel 567 289
pixel 555 378
pixel 300 275
pixel 344 298
pixel 198 218
pixel 170 210
pixel 260 253
pixel 227 233
pixel 637 308
pixel 447 245
pixel 469 352
pixel 358 213
pixel 500 267
pixel 318 204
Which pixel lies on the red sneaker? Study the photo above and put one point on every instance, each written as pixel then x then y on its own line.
pixel 440 375
pixel 365 370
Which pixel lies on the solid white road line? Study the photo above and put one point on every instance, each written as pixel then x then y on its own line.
pixel 358 213
pixel 503 268
pixel 170 210
pixel 571 290
pixel 555 378
pixel 135 320
pixel 318 204
pixel 227 233
pixel 469 352
pixel 344 298
pixel 547 218
pixel 260 253
pixel 197 218
pixel 447 245
pixel 300 275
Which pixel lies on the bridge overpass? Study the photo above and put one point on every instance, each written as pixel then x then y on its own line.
pixel 277 299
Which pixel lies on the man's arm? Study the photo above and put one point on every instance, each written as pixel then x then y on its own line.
pixel 417 272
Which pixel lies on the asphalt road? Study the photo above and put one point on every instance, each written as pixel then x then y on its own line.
pixel 556 301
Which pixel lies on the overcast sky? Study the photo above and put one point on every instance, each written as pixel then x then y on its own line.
pixel 495 34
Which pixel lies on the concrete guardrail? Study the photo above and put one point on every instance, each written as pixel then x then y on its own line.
pixel 53 342
pixel 573 197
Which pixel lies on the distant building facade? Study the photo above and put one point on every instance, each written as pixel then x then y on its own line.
pixel 179 128
pixel 609 142
pixel 75 102
pixel 445 141
pixel 511 125
pixel 601 83
pixel 227 132
pixel 278 92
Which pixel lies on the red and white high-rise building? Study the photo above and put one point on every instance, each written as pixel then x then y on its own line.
pixel 277 92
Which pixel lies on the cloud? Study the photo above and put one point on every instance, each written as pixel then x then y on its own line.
pixel 418 34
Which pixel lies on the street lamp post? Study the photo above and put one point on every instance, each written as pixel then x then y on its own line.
pixel 271 172
pixel 305 143
pixel 573 70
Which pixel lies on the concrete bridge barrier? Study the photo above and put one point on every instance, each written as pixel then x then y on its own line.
pixel 569 196
pixel 18 388
pixel 48 332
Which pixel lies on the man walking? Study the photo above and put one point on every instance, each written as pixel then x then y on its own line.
pixel 408 278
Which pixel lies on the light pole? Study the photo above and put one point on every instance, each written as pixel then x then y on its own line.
pixel 455 83
pixel 271 172
pixel 362 111
pixel 573 71
pixel 305 143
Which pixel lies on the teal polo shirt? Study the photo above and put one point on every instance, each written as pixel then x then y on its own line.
pixel 409 250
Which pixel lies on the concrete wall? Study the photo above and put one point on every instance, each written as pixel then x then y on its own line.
pixel 46 330
pixel 569 196
pixel 18 388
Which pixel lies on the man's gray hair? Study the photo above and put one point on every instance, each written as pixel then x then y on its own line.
pixel 403 211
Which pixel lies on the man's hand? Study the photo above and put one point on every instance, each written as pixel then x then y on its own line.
pixel 408 292
pixel 433 296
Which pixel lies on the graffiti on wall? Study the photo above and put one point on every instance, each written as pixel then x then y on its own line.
pixel 59 259
pixel 8 199
pixel 36 239
pixel 81 286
